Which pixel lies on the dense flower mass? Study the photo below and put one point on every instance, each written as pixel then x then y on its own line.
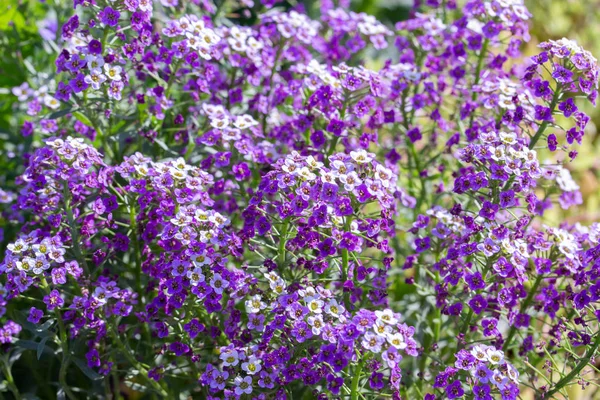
pixel 226 200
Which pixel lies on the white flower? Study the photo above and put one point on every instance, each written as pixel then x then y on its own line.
pixel 94 62
pixel 95 78
pixel 195 276
pixel 51 102
pixel 315 305
pixel 361 156
pixel 252 366
pixel 494 356
pixel 230 357
pixel 208 38
pixel 18 246
pixel 386 316
pixel 113 72
pixel 317 324
pixel 334 309
pixel 255 304
pixel 396 340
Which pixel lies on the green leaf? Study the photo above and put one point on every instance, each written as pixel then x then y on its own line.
pixel 90 373
pixel 60 113
pixel 83 119
pixel 42 347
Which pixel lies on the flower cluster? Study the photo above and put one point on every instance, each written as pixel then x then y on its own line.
pixel 226 201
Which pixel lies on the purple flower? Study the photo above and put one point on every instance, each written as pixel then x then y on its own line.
pixel 422 244
pixel 552 142
pixel 263 226
pixel 336 127
pixel 318 138
pixel 109 16
pixel 541 88
pixel 95 46
pixel 482 392
pixel 326 248
pixel 414 134
pixel 35 315
pixel 329 192
pixel 78 84
pixel 507 198
pixel 454 390
pixel 543 113
pixel 475 281
pixel 478 304
pixel 93 358
pixel 489 210
pixel 301 332
pixel 53 300
pixel 63 92
pixel 561 74
pixel 491 29
pixel 376 381
pixel 568 107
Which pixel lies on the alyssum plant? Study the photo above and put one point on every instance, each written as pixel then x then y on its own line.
pixel 224 211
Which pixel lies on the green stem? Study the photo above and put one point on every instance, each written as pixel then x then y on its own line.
pixel 10 382
pixel 544 124
pixel 355 381
pixel 480 60
pixel 526 303
pixel 64 345
pixel 74 232
pixel 143 372
pixel 282 242
pixel 136 245
pixel 582 363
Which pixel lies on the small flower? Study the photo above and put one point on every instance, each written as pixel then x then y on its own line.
pixel 243 385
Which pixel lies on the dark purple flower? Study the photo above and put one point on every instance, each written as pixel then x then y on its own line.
pixel 262 226
pixel 93 358
pixel 63 92
pixel 552 142
pixel 422 244
pixel 454 390
pixel 561 74
pixel 489 210
pixel 414 134
pixel 95 46
pixel 35 315
pixel 478 304
pixel 543 113
pixel 109 16
pixel 329 192
pixel 568 107
pixel 78 84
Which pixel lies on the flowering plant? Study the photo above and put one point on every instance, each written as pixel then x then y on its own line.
pixel 223 200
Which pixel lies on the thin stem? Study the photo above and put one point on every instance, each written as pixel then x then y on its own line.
pixel 143 372
pixel 544 124
pixel 582 363
pixel 10 382
pixel 526 303
pixel 74 231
